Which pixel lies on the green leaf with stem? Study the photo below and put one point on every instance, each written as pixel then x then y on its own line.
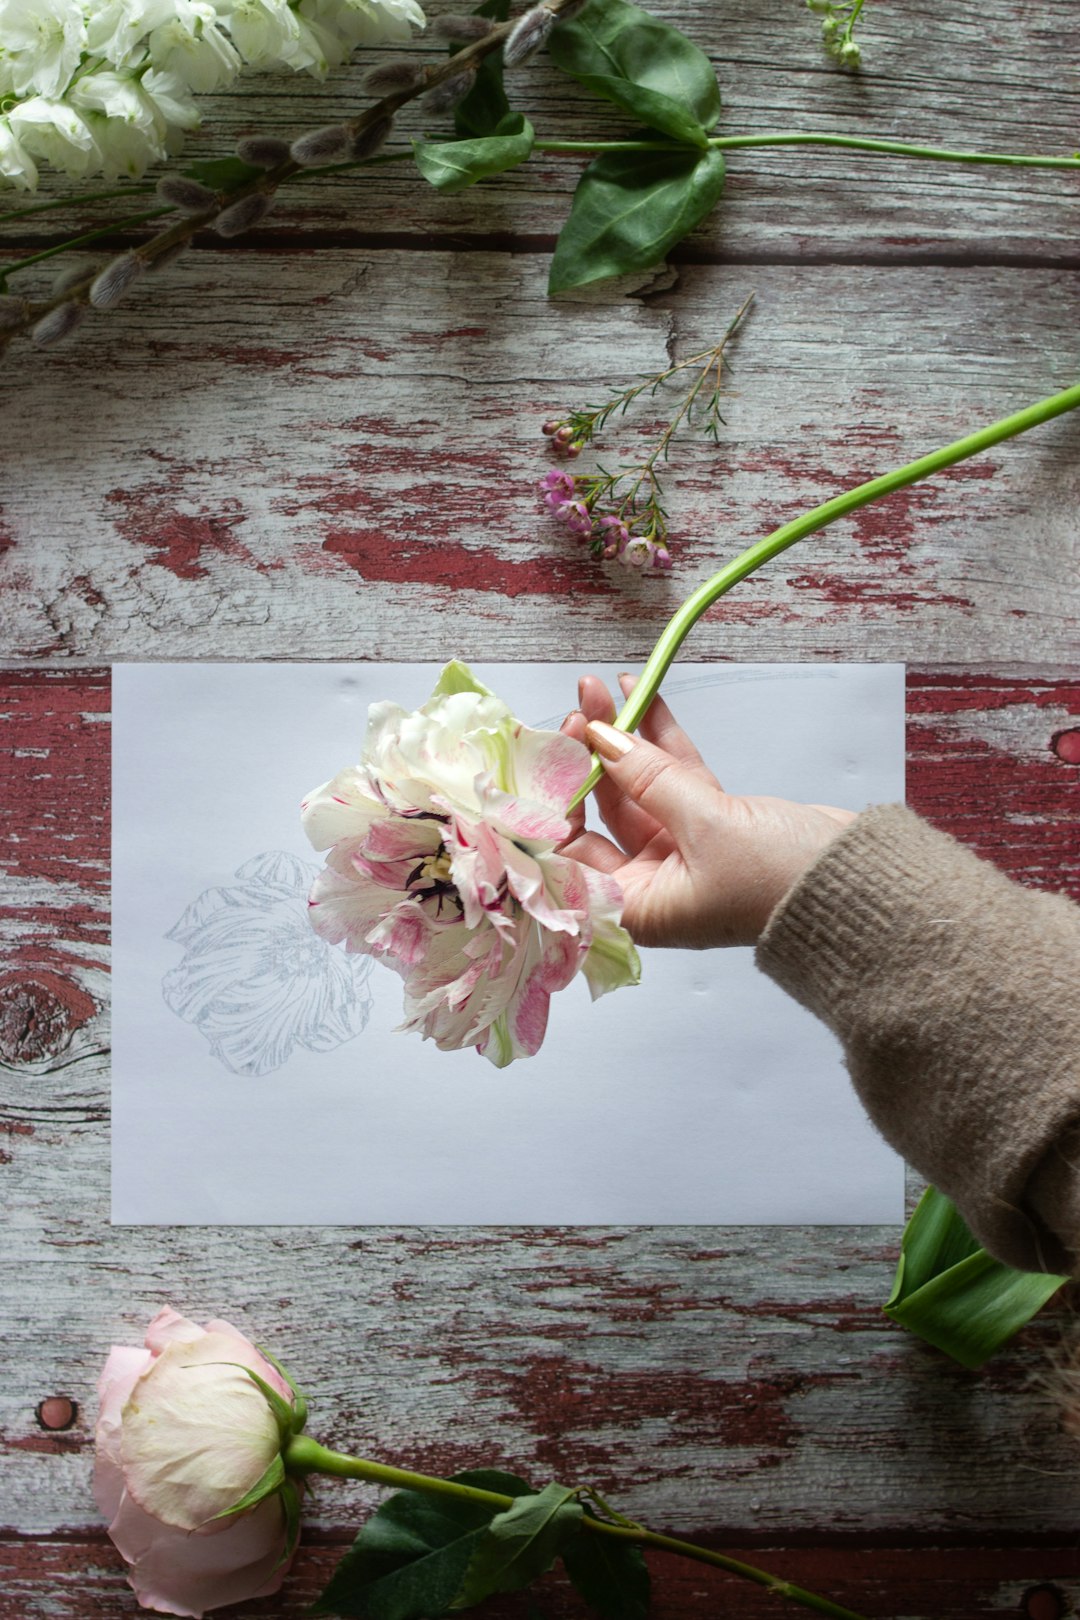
pixel 520 1544
pixel 953 1294
pixel 747 562
pixel 410 1558
pixel 483 109
pixel 612 1576
pixel 456 165
pixel 643 65
pixel 629 209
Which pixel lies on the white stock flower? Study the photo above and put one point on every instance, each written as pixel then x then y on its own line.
pixel 55 131
pixel 41 42
pixel 190 44
pixel 105 86
pixel 16 164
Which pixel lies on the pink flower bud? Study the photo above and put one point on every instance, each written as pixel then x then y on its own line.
pixel 564 434
pixel 550 427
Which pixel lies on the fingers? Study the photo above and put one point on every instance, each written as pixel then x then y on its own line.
pixel 593 849
pixel 667 790
pixel 659 726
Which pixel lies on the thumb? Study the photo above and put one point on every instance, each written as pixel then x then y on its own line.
pixel 666 790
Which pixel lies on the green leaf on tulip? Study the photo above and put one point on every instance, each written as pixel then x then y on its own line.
pixel 458 677
pixel 630 209
pixel 222 174
pixel 410 1558
pixel 520 1544
pixel 456 165
pixel 612 1576
pixel 484 108
pixel 643 65
pixel 953 1294
pixel 270 1482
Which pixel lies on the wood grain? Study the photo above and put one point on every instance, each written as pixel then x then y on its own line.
pixel 322 442
pixel 357 478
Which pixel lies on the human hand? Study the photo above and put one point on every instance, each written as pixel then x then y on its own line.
pixel 697 866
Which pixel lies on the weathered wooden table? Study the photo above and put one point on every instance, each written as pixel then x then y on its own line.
pixel 322 443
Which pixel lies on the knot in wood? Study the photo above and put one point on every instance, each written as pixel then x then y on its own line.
pixel 39 1013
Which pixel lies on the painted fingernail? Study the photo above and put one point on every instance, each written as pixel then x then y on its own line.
pixel 606 741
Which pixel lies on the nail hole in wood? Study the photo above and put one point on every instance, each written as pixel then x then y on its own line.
pixel 1066 745
pixel 1044 1602
pixel 57 1412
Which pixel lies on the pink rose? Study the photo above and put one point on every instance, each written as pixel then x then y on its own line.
pixel 182 1435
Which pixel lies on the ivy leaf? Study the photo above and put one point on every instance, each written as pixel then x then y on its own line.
pixel 520 1544
pixel 410 1558
pixel 455 165
pixel 222 174
pixel 953 1294
pixel 629 209
pixel 612 1576
pixel 484 108
pixel 648 68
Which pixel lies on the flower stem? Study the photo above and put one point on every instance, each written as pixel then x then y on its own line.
pixel 306 1456
pixel 727 143
pixel 663 654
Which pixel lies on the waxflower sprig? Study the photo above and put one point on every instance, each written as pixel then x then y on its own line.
pixel 201 1467
pixel 838 19
pixel 621 514
pixel 641 193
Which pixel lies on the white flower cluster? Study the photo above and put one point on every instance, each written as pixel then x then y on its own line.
pixel 106 86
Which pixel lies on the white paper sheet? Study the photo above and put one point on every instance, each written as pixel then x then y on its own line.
pixel 704 1095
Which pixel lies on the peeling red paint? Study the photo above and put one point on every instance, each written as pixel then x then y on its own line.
pixel 1016 812
pixel 378 557
pixel 176 540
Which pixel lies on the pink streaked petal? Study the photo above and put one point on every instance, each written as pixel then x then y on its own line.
pixel 521 818
pixel 341 808
pixel 344 909
pixel 403 934
pixel 399 838
pixel 525 877
pixel 548 768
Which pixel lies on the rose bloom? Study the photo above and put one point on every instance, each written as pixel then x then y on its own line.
pixel 181 1437
pixel 443 864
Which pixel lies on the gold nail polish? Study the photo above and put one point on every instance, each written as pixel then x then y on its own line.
pixel 607 741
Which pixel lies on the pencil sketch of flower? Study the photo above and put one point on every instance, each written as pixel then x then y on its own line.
pixel 255 979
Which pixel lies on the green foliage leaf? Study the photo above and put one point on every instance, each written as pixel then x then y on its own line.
pixel 222 174
pixel 454 165
pixel 484 108
pixel 410 1558
pixel 648 68
pixel 612 1576
pixel 953 1294
pixel 629 209
pixel 520 1544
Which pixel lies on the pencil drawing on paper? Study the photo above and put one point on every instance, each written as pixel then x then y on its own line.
pixel 255 979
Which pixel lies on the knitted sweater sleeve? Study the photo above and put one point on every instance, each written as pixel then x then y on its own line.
pixel 956 995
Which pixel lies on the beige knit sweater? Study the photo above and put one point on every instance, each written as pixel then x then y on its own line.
pixel 956 995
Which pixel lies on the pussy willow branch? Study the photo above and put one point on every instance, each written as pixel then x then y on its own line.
pixel 679 627
pixel 267 183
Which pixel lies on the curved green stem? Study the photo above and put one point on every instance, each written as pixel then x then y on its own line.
pixel 779 137
pixel 306 1456
pixel 662 655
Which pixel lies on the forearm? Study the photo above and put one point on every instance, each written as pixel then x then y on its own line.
pixel 955 994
